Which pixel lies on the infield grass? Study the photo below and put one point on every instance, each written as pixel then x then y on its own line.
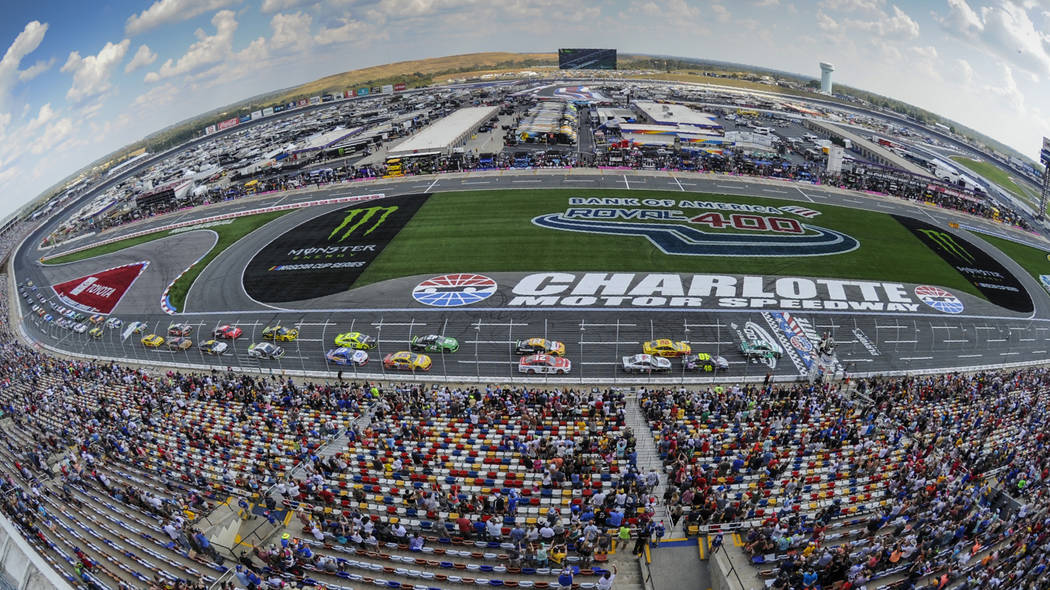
pixel 228 235
pixel 998 176
pixel 492 231
pixel 240 226
pixel 1033 260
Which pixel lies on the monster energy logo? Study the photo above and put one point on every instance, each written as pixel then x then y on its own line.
pixel 353 221
pixel 947 243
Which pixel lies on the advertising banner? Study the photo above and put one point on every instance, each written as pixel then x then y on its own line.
pixel 304 101
pixel 257 115
pixel 362 91
pixel 387 89
pixel 325 255
pixel 244 118
pixel 102 291
pixel 990 277
pixel 209 129
pixel 400 87
pixel 267 111
pixel 228 123
pixel 1044 154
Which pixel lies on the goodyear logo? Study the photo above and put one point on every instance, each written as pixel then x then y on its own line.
pixel 946 242
pixel 355 219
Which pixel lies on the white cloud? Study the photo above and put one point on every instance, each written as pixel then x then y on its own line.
pixel 961 18
pixel 350 30
pixel 91 74
pixel 965 72
pixel 1006 29
pixel 54 134
pixel 171 11
pixel 827 24
pixel 276 5
pixel 291 30
pixel 25 43
pixel 35 70
pixel 1008 91
pixel 419 8
pixel 897 26
pixel 206 51
pixel 157 96
pixel 854 6
pixel 142 58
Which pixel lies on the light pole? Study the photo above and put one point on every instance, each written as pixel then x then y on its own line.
pixel 582 330
pixel 477 338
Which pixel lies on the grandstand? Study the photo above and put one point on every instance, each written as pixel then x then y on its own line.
pixel 123 477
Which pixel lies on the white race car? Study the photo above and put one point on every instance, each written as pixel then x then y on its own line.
pixel 265 350
pixel 645 363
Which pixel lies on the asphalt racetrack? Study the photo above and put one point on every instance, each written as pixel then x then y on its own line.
pixel 595 338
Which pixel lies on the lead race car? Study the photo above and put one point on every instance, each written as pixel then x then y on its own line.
pixel 754 350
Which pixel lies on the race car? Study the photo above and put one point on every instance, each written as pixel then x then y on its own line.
pixel 645 363
pixel 95 333
pixel 265 350
pixel 213 347
pixel 80 328
pixel 704 363
pixel 434 343
pixel 152 341
pixel 179 343
pixel 407 361
pixel 114 323
pixel 347 356
pixel 227 332
pixel 137 327
pixel 180 330
pixel 279 333
pixel 539 346
pixel 666 348
pixel 48 318
pixel 355 340
pixel 97 319
pixel 760 349
pixel 544 363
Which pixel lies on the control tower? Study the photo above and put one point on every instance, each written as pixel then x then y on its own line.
pixel 825 77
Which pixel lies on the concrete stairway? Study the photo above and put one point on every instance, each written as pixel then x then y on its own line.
pixel 649 458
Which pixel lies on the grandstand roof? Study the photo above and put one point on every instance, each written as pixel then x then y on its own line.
pixel 327 139
pixel 670 113
pixel 867 147
pixel 442 135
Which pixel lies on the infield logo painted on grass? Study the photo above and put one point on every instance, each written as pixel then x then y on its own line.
pixel 327 254
pixel 720 229
pixel 100 292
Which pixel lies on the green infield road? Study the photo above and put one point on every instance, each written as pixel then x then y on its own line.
pixel 492 231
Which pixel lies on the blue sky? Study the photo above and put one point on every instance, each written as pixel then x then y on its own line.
pixel 80 79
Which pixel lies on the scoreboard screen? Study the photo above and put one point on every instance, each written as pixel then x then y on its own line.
pixel 587 59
